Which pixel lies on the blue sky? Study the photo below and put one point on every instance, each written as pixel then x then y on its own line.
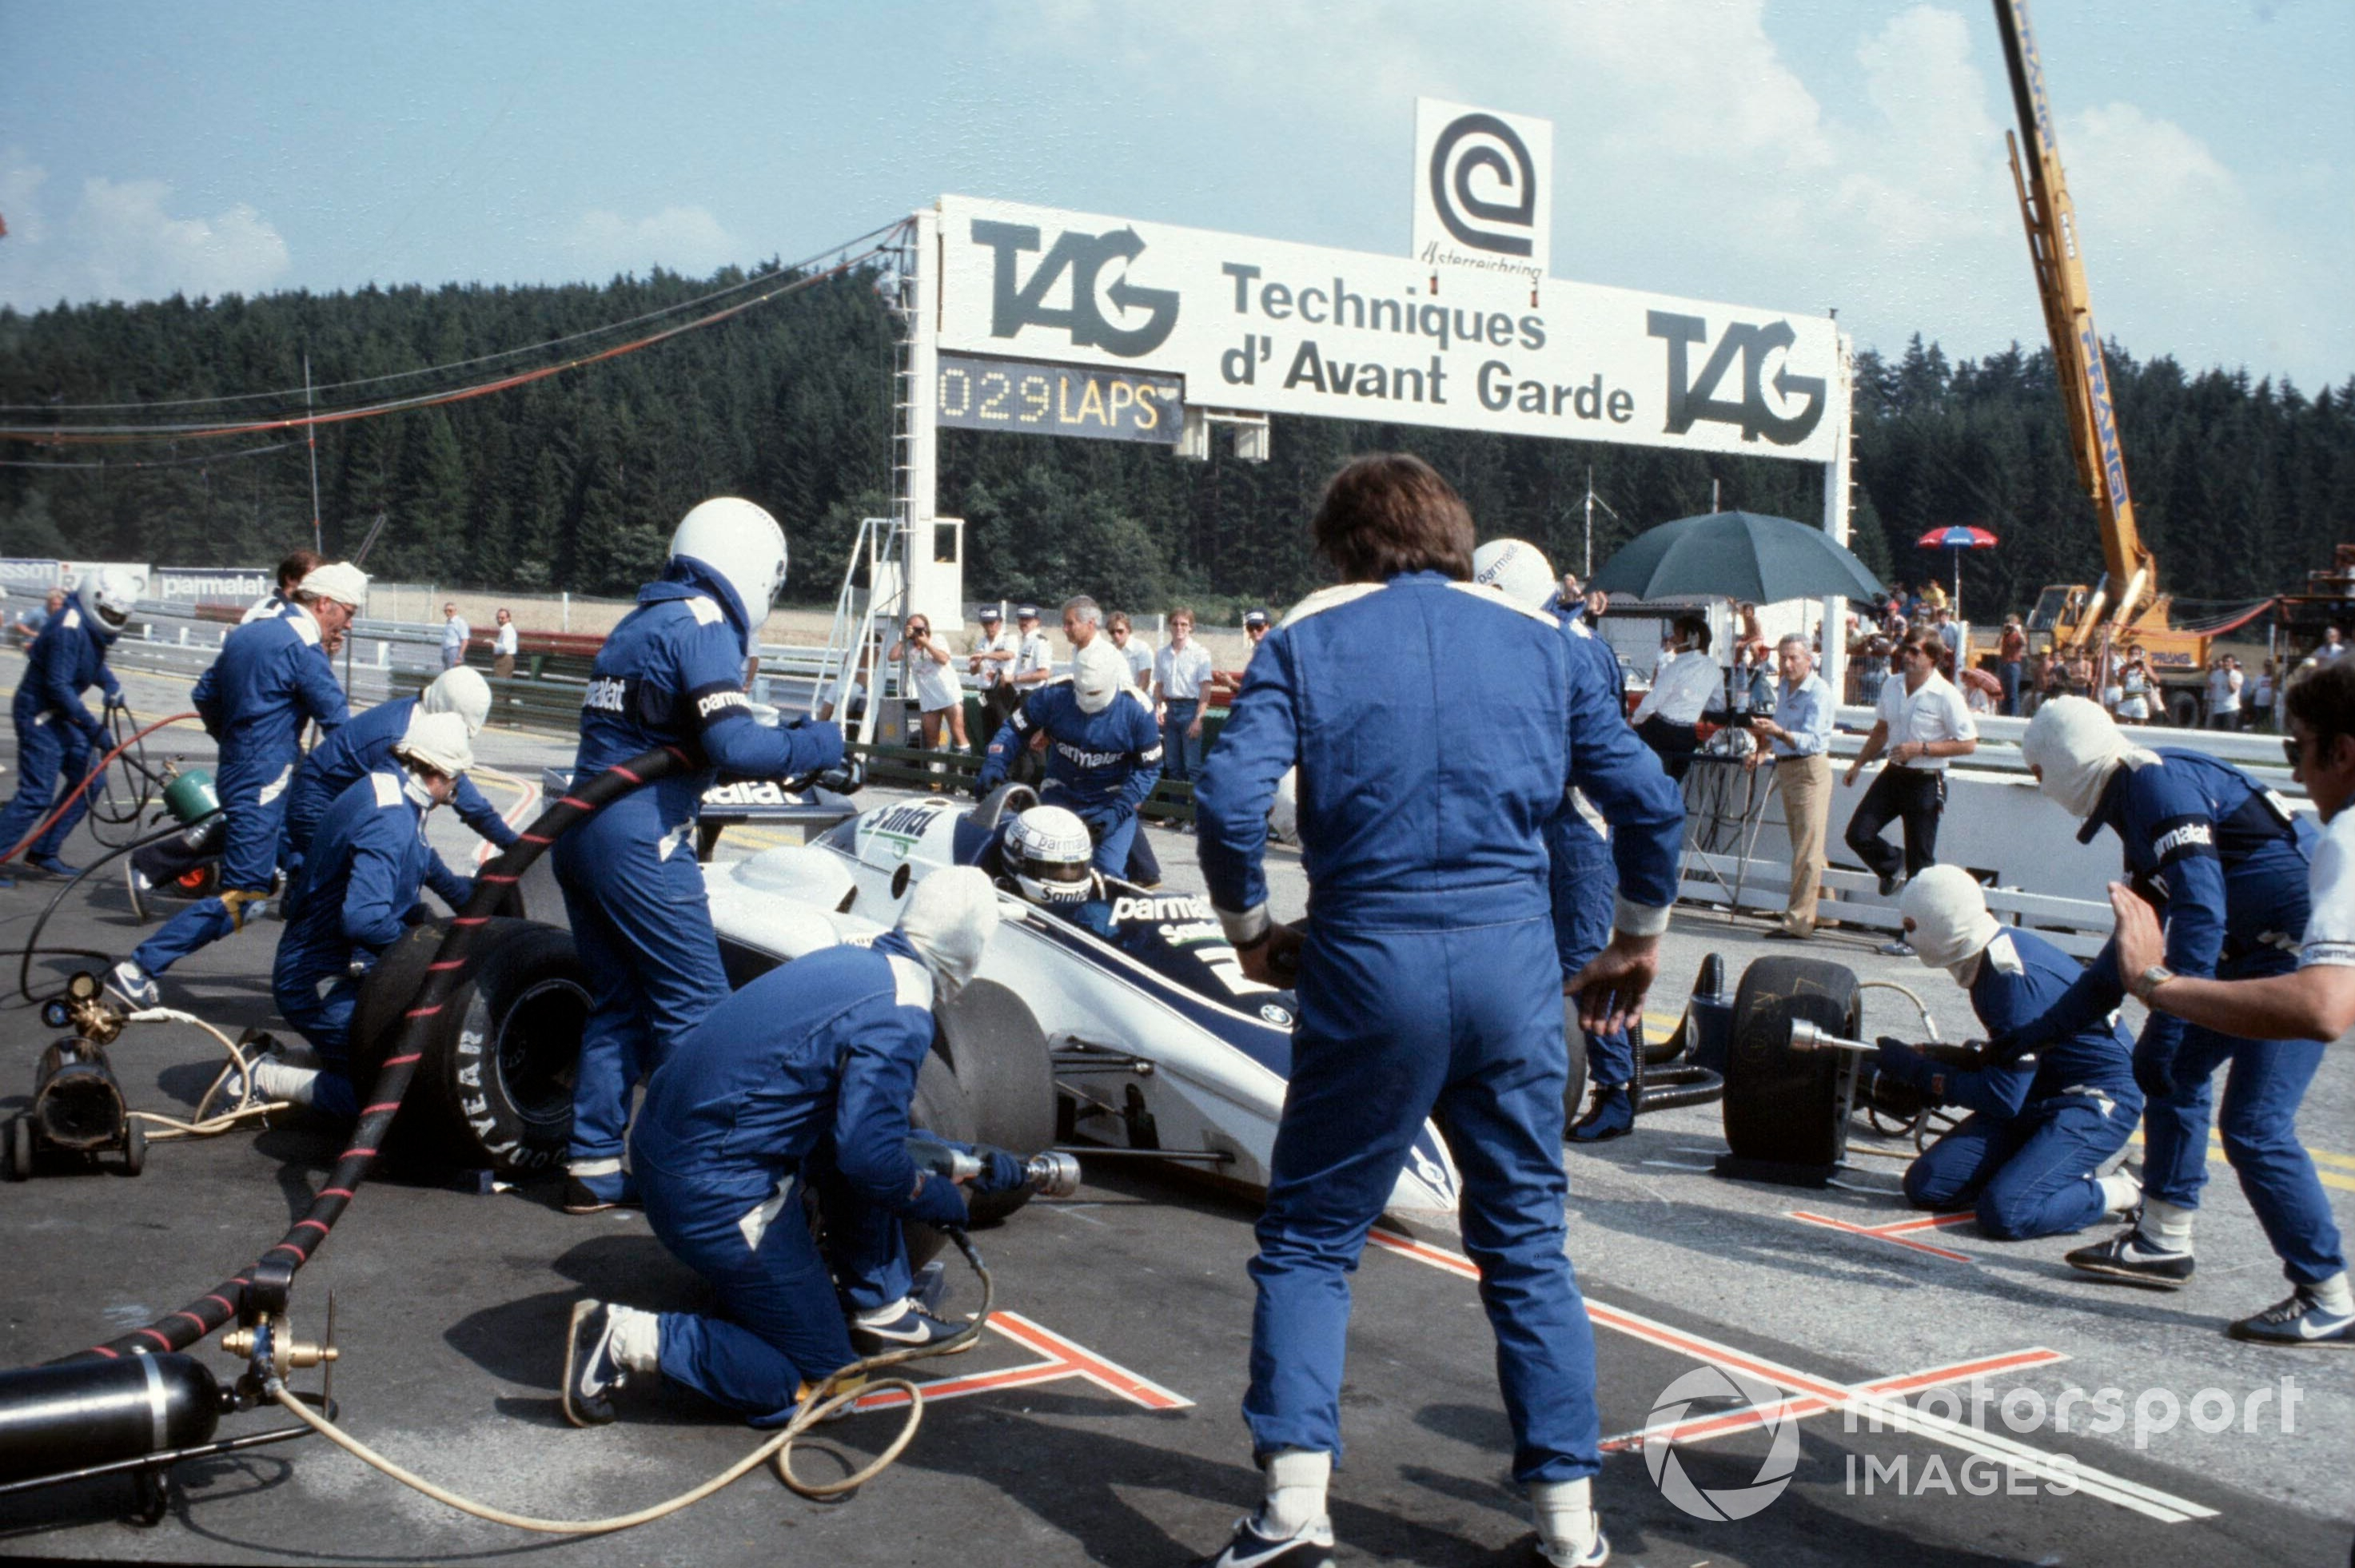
pixel 1788 154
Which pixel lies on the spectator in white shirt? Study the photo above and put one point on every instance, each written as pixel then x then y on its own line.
pixel 454 632
pixel 938 696
pixel 1180 672
pixel 991 664
pixel 1134 649
pixel 2225 684
pixel 1688 684
pixel 2333 645
pixel 1924 725
pixel 504 645
pixel 1034 657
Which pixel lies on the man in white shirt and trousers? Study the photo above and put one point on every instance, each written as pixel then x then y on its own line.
pixel 1924 725
pixel 454 632
pixel 1687 685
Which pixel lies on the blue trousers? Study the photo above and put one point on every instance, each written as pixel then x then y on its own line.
pixel 249 865
pixel 1181 754
pixel 641 926
pixel 780 1321
pixel 2258 1122
pixel 1585 888
pixel 2032 1175
pixel 48 748
pixel 324 1017
pixel 1396 1026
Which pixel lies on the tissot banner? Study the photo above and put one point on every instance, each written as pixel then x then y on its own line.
pixel 1261 326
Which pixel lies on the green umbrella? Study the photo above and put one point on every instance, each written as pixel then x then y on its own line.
pixel 1737 556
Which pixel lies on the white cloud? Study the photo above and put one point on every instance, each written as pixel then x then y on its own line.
pixel 1692 157
pixel 119 242
pixel 683 238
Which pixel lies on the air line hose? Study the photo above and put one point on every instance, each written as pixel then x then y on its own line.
pixel 217 1307
pixel 97 772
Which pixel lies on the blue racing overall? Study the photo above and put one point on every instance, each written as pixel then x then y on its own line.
pixel 799 1083
pixel 672 674
pixel 2226 864
pixel 57 735
pixel 355 896
pixel 2037 1129
pixel 254 699
pixel 1583 885
pixel 1101 767
pixel 358 748
pixel 1438 729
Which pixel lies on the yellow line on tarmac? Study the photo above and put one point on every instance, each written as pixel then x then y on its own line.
pixel 2323 1158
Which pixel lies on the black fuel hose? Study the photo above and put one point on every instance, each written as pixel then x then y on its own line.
pixel 217 1309
pixel 32 947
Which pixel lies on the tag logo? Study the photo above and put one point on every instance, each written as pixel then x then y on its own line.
pixel 1016 303
pixel 1691 401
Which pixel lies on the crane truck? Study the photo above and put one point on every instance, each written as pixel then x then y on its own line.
pixel 2126 607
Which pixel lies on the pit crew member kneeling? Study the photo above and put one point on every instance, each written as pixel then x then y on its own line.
pixel 800 1081
pixel 357 893
pixel 2030 1154
pixel 1103 756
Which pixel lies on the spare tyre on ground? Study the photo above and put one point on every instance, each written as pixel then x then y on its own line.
pixel 1785 1110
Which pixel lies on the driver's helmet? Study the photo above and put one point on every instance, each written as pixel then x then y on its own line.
pixel 1046 851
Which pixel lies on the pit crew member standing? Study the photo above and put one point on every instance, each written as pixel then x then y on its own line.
pixel 672 674
pixel 57 735
pixel 254 700
pixel 1428 979
pixel 355 896
pixel 2226 865
pixel 800 1081
pixel 367 743
pixel 2029 1155
pixel 1104 754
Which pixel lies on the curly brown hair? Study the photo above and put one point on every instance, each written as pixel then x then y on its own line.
pixel 1389 512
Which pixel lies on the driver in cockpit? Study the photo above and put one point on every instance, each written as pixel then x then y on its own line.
pixel 1045 854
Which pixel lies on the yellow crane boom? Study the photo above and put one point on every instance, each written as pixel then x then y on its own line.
pixel 2050 220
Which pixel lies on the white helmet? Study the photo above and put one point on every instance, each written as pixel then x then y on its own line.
pixel 949 920
pixel 742 544
pixel 1098 673
pixel 111 595
pixel 1047 851
pixel 459 690
pixel 1518 569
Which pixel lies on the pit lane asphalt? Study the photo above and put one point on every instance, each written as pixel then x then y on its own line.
pixel 451 1309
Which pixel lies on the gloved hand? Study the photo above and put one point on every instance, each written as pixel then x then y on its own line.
pixel 937 1202
pixel 1001 1172
pixel 2154 1067
pixel 1900 1061
pixel 992 776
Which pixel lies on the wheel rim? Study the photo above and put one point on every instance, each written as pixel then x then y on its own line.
pixel 539 1043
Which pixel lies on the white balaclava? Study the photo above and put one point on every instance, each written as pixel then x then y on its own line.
pixel 1951 923
pixel 459 691
pixel 949 920
pixel 2077 746
pixel 438 741
pixel 1098 673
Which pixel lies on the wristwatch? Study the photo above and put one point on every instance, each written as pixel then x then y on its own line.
pixel 2147 984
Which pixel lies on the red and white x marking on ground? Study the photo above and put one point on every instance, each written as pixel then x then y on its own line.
pixel 1879 1402
pixel 1059 1358
pixel 1896 1232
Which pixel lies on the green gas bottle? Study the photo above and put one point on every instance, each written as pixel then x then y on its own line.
pixel 191 797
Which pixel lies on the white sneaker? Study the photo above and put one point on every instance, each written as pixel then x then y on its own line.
pixel 132 986
pixel 1310 1546
pixel 2302 1319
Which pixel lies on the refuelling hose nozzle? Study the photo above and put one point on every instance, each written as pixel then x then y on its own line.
pixel 1051 1175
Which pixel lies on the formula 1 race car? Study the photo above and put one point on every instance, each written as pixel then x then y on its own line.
pixel 1126 1024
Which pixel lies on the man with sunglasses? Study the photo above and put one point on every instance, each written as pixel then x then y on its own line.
pixel 1924 724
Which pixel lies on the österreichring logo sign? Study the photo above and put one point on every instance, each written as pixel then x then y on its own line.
pixel 1482 189
pixel 1726 1388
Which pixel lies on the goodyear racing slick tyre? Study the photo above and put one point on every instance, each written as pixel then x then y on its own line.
pixel 494 1090
pixel 1000 1058
pixel 1573 1094
pixel 1782 1105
